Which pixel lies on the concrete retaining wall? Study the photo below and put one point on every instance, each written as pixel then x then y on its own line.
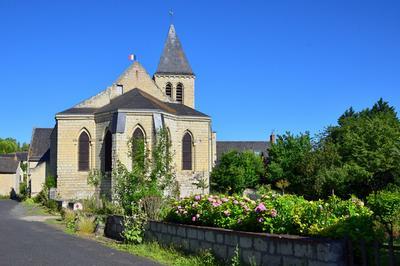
pixel 263 249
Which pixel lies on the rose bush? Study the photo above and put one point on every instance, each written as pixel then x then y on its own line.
pixel 280 214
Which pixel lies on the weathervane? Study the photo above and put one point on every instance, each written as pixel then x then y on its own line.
pixel 171 16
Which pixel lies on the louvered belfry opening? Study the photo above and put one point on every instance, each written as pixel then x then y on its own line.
pixel 168 89
pixel 108 152
pixel 83 150
pixel 179 92
pixel 187 152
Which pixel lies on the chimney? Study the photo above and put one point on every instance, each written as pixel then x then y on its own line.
pixel 272 137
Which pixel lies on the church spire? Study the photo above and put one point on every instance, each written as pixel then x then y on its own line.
pixel 173 59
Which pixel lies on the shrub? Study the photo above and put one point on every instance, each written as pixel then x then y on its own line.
pixel 281 214
pixel 386 207
pixel 69 218
pixel 85 224
pixel 23 190
pixel 237 171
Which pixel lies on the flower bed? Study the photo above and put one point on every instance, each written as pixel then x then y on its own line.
pixel 287 214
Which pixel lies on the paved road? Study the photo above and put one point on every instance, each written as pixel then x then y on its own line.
pixel 36 243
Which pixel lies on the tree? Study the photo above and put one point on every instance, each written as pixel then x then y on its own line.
pixel 237 171
pixel 290 158
pixel 10 145
pixel 358 156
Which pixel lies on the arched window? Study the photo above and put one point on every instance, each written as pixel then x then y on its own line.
pixel 179 92
pixel 83 152
pixel 108 152
pixel 168 89
pixel 138 147
pixel 187 152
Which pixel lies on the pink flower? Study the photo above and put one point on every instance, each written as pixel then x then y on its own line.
pixel 197 197
pixel 179 207
pixel 227 213
pixel 260 220
pixel 274 213
pixel 194 219
pixel 260 208
pixel 235 202
pixel 216 204
pixel 225 199
pixel 210 199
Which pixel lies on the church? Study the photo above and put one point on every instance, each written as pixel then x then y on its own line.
pixel 95 133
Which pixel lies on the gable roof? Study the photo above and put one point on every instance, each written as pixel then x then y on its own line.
pixel 39 149
pixel 8 165
pixel 173 60
pixel 137 99
pixel 20 156
pixel 240 146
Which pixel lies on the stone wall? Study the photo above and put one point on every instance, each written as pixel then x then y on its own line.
pixel 263 249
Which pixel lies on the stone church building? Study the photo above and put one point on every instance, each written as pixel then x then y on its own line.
pixel 95 133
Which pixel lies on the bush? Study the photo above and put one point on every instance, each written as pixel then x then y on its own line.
pixel 280 214
pixel 237 171
pixel 23 191
pixel 85 224
pixel 69 218
pixel 386 207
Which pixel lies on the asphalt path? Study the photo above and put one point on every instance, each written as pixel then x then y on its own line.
pixel 25 242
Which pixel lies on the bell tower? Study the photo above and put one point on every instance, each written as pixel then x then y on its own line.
pixel 174 76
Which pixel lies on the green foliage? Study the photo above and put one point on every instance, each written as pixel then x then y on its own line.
pixel 95 177
pixel 235 260
pixel 168 255
pixel 10 145
pixel 281 214
pixel 386 207
pixel 237 171
pixel 358 156
pixel 70 218
pixel 23 191
pixel 148 178
pixel 50 182
pixel 133 228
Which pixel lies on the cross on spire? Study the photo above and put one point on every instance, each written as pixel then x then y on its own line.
pixel 171 16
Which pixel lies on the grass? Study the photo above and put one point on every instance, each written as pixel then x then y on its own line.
pixel 86 225
pixel 4 197
pixel 34 209
pixel 166 255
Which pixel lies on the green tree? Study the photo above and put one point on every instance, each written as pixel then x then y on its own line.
pixel 357 156
pixel 290 158
pixel 237 171
pixel 10 145
pixel 368 143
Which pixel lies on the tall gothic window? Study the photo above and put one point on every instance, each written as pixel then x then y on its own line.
pixel 83 152
pixel 179 92
pixel 187 152
pixel 138 148
pixel 168 89
pixel 108 152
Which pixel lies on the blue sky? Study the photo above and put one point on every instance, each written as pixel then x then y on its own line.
pixel 260 65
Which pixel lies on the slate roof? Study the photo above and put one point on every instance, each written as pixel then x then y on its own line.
pixel 137 99
pixel 173 60
pixel 256 146
pixel 21 156
pixel 8 165
pixel 39 149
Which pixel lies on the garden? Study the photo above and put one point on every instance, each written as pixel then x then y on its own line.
pixel 341 184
